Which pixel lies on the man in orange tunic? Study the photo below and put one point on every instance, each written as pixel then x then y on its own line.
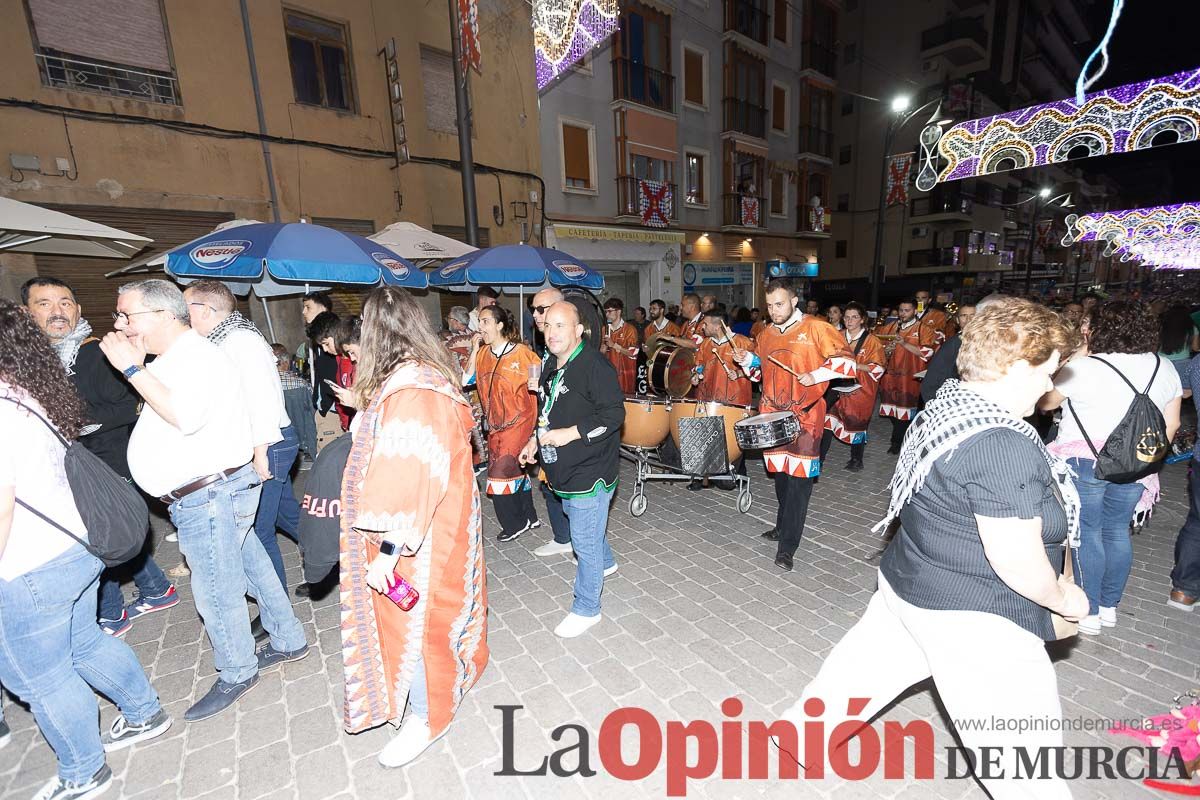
pixel 933 317
pixel 690 335
pixel 909 346
pixel 659 327
pixel 796 357
pixel 620 345
pixel 717 377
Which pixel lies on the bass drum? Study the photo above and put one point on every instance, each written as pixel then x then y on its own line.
pixel 731 414
pixel 671 371
pixel 591 314
pixel 647 421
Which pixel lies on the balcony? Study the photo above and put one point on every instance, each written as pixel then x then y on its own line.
pixel 942 207
pixel 818 57
pixel 810 225
pixel 748 19
pixel 935 258
pixel 638 83
pixel 816 143
pixel 744 211
pixel 660 200
pixel 959 41
pixel 1010 219
pixel 64 72
pixel 744 117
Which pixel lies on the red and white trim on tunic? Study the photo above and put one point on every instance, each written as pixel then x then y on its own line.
pixel 497 486
pixel 835 368
pixel 897 412
pixel 796 466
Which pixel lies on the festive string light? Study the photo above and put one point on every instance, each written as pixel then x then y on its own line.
pixel 1135 226
pixel 1137 116
pixel 565 30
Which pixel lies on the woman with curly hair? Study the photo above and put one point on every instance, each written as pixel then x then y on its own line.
pixel 52 651
pixel 1095 388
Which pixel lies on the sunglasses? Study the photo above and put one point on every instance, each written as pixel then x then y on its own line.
pixel 540 309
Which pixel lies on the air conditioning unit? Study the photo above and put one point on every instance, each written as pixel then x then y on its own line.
pixel 920 231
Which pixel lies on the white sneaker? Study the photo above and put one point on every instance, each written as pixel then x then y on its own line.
pixel 410 741
pixel 575 625
pixel 172 537
pixel 553 548
pixel 1090 625
pixel 1108 617
pixel 610 571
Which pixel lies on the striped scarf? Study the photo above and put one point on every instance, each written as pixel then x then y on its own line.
pixel 234 322
pixel 954 415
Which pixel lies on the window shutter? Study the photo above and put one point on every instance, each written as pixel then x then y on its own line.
pixel 576 163
pixel 127 32
pixel 437 79
pixel 778 108
pixel 693 77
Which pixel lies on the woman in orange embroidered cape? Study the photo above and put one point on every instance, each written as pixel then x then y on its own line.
pixel 409 490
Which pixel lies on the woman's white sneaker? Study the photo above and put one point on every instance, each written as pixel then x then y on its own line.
pixel 575 625
pixel 1108 617
pixel 410 741
pixel 1090 624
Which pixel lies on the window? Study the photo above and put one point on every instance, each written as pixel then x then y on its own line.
pixel 695 178
pixel 844 154
pixel 652 169
pixel 843 202
pixel 850 53
pixel 578 156
pixel 779 108
pixel 320 59
pixel 778 194
pixel 437 79
pixel 642 58
pixel 839 248
pixel 780 22
pixel 847 106
pixel 695 73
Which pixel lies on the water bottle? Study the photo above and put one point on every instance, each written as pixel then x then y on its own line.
pixel 547 453
pixel 402 593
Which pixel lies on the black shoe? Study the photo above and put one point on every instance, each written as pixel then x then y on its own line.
pixel 695 486
pixel 122 734
pixel 258 631
pixel 771 535
pixel 220 697
pixel 5 734
pixel 269 656
pixel 506 536
pixel 816 480
pixel 303 590
pixel 783 561
pixel 894 450
pixel 854 465
pixel 58 789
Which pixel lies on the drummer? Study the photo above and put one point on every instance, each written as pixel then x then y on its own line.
pixel 935 318
pixel 716 375
pixel 620 345
pixel 910 344
pixel 795 358
pixel 849 415
pixel 658 327
pixel 690 336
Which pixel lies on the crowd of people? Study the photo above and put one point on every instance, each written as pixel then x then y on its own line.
pixel 1028 399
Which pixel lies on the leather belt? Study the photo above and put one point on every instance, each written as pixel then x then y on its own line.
pixel 196 485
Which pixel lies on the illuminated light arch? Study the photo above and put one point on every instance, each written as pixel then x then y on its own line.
pixel 565 30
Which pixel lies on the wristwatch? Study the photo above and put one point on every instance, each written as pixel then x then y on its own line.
pixel 388 548
pixel 129 372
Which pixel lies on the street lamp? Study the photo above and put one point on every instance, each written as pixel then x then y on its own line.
pixel 1041 198
pixel 899 106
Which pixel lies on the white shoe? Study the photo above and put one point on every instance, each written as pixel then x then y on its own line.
pixel 575 625
pixel 410 741
pixel 610 571
pixel 172 537
pixel 1108 617
pixel 553 548
pixel 1090 625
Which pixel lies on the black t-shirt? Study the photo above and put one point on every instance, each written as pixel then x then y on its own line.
pixel 111 402
pixel 936 560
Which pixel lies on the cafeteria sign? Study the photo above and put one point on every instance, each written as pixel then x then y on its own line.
pixel 792 269
pixel 697 273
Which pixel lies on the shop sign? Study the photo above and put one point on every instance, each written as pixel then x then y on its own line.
pixel 792 269
pixel 617 234
pixel 699 273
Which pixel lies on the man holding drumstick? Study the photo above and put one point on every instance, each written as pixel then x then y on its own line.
pixel 795 357
pixel 716 375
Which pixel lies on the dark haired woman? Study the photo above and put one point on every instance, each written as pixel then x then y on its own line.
pixel 1178 339
pixel 1123 342
pixel 410 509
pixel 52 651
pixel 849 416
pixel 499 367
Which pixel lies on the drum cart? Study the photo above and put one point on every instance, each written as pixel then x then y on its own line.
pixel 651 468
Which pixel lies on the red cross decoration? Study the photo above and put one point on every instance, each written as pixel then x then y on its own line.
pixel 749 211
pixel 468 36
pixel 656 203
pixel 958 99
pixel 897 183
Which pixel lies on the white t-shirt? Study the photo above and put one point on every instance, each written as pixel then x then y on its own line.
pixel 255 362
pixel 31 462
pixel 1101 398
pixel 210 406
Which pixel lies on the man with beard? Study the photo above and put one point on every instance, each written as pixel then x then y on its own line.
pixel 931 315
pixel 908 345
pixel 658 326
pixel 690 336
pixel 620 345
pixel 113 407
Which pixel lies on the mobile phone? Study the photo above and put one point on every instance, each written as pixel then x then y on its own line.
pixel 331 384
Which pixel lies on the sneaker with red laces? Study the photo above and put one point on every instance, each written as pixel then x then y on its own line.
pixel 148 605
pixel 116 627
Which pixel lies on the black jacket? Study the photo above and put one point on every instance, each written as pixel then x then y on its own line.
pixel 110 402
pixel 321 511
pixel 591 399
pixel 943 366
pixel 324 368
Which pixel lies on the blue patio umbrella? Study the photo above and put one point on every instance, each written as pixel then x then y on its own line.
pixel 516 265
pixel 295 253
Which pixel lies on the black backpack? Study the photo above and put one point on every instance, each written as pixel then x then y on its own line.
pixel 113 512
pixel 1138 446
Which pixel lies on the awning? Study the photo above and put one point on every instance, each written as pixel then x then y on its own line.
pixel 26 228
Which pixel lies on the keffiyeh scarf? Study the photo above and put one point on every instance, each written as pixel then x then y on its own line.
pixel 68 347
pixel 954 415
pixel 234 322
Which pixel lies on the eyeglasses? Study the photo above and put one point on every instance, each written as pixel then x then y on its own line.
pixel 201 305
pixel 121 316
pixel 540 309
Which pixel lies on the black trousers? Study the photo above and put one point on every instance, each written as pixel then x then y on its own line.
pixel 856 450
pixel 899 428
pixel 793 495
pixel 514 511
pixel 558 518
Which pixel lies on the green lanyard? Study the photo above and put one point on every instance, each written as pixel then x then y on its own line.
pixel 552 395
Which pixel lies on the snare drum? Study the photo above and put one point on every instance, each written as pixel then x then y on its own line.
pixel 693 408
pixel 647 421
pixel 766 431
pixel 671 371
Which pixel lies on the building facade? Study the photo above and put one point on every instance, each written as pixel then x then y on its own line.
pixel 695 146
pixel 143 115
pixel 978 58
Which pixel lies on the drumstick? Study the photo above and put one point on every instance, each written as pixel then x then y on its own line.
pixel 784 367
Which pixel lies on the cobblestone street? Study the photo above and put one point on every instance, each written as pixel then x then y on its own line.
pixel 697 613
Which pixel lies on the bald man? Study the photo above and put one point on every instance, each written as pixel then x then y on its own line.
pixel 560 544
pixel 690 335
pixel 578 443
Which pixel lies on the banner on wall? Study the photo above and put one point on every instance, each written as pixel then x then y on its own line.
pixel 899 167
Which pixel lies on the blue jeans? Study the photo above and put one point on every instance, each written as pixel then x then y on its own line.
pixel 558 520
pixel 277 507
pixel 589 536
pixel 53 654
pixel 147 576
pixel 1186 575
pixel 1106 553
pixel 418 693
pixel 227 563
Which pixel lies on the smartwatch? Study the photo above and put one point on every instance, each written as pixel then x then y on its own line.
pixel 388 548
pixel 129 372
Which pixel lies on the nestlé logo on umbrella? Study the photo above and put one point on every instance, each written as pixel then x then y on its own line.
pixel 216 255
pixel 571 271
pixel 391 265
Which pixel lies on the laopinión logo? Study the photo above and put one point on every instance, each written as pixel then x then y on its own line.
pixel 745 749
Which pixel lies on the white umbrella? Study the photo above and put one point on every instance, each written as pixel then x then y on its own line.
pixel 26 228
pixel 415 243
